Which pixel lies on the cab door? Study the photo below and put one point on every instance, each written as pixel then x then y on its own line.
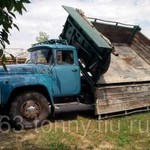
pixel 66 74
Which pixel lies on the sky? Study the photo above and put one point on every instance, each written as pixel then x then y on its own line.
pixel 49 16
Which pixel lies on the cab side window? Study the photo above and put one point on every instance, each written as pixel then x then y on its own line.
pixel 65 57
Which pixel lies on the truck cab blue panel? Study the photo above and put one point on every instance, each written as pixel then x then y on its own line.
pixel 59 80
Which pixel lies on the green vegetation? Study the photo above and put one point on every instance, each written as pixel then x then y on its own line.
pixel 42 37
pixel 84 132
pixel 7 16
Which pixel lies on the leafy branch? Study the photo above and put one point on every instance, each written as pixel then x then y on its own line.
pixel 7 15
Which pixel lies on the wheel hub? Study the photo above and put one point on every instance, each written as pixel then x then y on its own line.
pixel 31 109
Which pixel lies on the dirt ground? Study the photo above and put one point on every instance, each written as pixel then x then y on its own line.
pixel 77 128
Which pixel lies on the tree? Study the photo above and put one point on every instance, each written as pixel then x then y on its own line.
pixel 42 37
pixel 7 15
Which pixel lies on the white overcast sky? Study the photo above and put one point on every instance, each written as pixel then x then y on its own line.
pixel 49 16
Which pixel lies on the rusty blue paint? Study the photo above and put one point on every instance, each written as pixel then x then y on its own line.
pixel 55 78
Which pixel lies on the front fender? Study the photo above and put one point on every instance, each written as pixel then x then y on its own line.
pixel 10 83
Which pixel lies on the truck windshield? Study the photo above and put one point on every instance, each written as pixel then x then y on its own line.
pixel 41 56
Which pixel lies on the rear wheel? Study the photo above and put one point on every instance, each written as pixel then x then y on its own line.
pixel 29 110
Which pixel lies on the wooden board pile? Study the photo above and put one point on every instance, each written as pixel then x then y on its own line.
pixel 10 61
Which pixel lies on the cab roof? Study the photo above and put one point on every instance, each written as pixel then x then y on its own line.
pixel 52 44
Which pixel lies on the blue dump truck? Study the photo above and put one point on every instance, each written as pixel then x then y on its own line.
pixel 97 62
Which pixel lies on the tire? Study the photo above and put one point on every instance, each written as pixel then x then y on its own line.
pixel 29 110
pixel 106 65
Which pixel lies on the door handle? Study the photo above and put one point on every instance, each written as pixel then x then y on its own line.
pixel 74 70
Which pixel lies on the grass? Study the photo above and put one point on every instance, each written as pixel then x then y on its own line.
pixel 82 131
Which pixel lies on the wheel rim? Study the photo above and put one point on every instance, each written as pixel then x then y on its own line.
pixel 31 110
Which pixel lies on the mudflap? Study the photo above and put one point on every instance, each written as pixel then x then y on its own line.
pixel 116 100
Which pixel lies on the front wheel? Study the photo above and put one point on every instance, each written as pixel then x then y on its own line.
pixel 29 110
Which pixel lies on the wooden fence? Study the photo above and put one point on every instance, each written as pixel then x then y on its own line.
pixel 9 61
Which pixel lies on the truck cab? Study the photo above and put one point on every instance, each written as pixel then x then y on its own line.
pixel 51 72
pixel 60 62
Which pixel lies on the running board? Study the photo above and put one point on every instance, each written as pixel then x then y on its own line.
pixel 65 104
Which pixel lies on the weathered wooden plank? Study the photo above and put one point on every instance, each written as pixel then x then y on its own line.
pixel 128 67
pixel 120 101
pixel 116 34
pixel 105 109
pixel 122 107
pixel 120 98
pixel 122 89
pixel 141 46
pixel 9 61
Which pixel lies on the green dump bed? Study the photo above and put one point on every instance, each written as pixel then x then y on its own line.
pixel 93 50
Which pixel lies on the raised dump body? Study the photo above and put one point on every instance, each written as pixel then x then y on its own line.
pixel 125 87
pixel 126 84
pixel 133 61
